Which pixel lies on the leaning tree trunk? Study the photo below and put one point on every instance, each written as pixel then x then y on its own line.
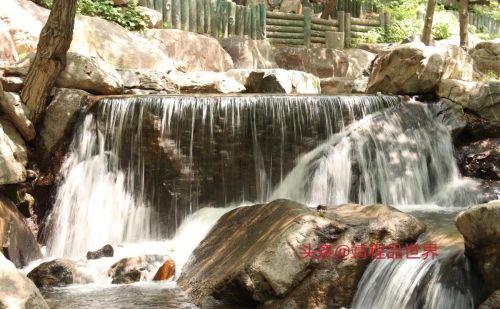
pixel 328 9
pixel 463 18
pixel 50 58
pixel 429 16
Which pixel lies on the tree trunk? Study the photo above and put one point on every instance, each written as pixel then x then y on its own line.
pixel 463 17
pixel 429 16
pixel 50 60
pixel 328 9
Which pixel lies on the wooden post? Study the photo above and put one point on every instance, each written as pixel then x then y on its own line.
pixel 334 40
pixel 237 24
pixel 157 5
pixel 463 18
pixel 381 18
pixel 347 30
pixel 341 19
pixel 307 25
pixel 263 20
pixel 150 4
pixel 258 31
pixel 208 16
pixel 253 27
pixel 224 20
pixel 200 17
pixel 192 15
pixel 184 15
pixel 214 22
pixel 176 14
pixel 387 22
pixel 231 19
pixel 248 21
pixel 167 12
pixel 429 16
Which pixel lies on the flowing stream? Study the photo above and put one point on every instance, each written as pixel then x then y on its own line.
pixel 151 175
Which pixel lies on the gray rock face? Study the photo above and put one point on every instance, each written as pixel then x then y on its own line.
pixel 486 56
pixel 481 159
pixel 481 231
pixel 60 117
pixel 16 238
pixel 149 80
pixel 255 255
pixel 424 67
pixel 452 115
pixel 277 81
pixel 17 291
pixel 17 113
pixel 56 273
pixel 249 54
pixel 192 52
pixel 482 98
pixel 13 154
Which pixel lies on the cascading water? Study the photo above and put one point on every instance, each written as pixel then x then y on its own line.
pixel 139 166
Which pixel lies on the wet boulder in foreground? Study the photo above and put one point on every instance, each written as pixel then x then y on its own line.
pixel 17 291
pixel 259 255
pixel 166 271
pixel 133 269
pixel 481 231
pixel 56 273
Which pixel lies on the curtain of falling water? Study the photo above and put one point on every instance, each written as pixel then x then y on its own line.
pixel 138 166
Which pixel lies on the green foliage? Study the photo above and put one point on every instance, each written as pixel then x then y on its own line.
pixel 404 22
pixel 491 75
pixel 440 31
pixel 373 36
pixel 127 17
pixel 493 10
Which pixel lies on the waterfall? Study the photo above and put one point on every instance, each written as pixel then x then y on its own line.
pixel 399 156
pixel 442 283
pixel 138 166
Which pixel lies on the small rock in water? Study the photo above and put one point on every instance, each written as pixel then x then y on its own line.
pixel 130 277
pixel 106 251
pixel 166 271
pixel 56 273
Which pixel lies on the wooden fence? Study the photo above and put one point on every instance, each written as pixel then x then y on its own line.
pixel 484 23
pixel 219 18
pixel 304 29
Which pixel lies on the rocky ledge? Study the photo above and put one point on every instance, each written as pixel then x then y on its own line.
pixel 256 255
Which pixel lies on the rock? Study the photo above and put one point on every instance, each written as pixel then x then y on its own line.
pixel 479 226
pixel 93 36
pixel 20 69
pixel 91 74
pixel 277 81
pixel 8 52
pixel 480 159
pixel 482 98
pixel 148 80
pixel 17 113
pixel 16 290
pixel 493 301
pixel 486 56
pixel 13 154
pixel 450 114
pixel 249 54
pixel 18 243
pixel 479 128
pixel 12 83
pixel 377 48
pixel 322 62
pixel 257 255
pixel 106 251
pixel 206 82
pixel 424 67
pixel 336 85
pixel 360 62
pixel 56 273
pixel 191 51
pixel 129 270
pixel 58 122
pixel 154 19
pixel 166 271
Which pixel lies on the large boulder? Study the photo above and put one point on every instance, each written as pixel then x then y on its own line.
pixel 206 82
pixel 191 51
pixel 16 239
pixel 55 273
pixel 481 231
pixel 260 255
pixel 322 62
pixel 57 124
pixel 424 67
pixel 8 52
pixel 17 113
pixel 277 81
pixel 17 291
pixel 13 154
pixel 486 56
pixel 249 54
pixel 360 62
pixel 481 159
pixel 93 36
pixel 482 98
pixel 450 114
pixel 152 80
